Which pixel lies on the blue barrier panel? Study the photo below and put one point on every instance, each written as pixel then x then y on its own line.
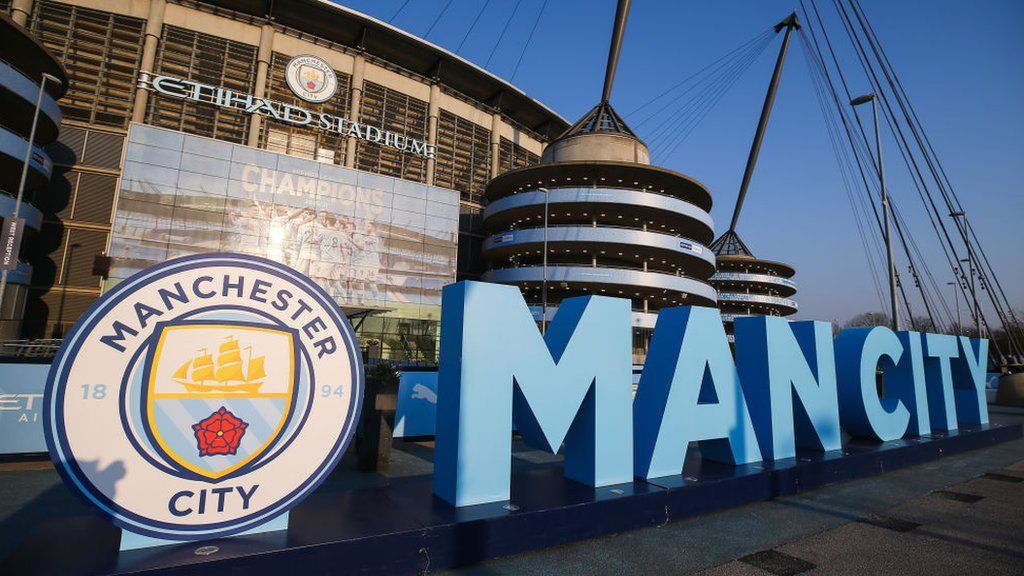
pixel 21 407
pixel 417 404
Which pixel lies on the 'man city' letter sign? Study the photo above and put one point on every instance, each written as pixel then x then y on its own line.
pixel 791 386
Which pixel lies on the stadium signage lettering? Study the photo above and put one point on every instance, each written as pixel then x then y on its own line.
pixel 260 180
pixel 296 115
pixel 790 385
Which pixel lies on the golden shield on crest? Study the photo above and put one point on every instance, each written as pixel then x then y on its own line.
pixel 218 395
pixel 313 79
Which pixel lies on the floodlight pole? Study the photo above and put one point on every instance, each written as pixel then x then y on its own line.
pixel 893 298
pixel 790 23
pixel 618 30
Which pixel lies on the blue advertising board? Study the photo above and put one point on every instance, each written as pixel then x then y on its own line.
pixel 417 404
pixel 21 404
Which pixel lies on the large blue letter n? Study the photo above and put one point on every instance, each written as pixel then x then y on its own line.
pixel 572 385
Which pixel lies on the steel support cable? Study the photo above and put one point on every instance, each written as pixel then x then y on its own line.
pixel 762 123
pixel 845 167
pixel 887 112
pixel 839 106
pixel 871 249
pixel 529 39
pixel 673 145
pixel 979 317
pixel 928 276
pixel 841 109
pixel 681 129
pixel 903 153
pixel 438 18
pixel 842 79
pixel 931 220
pixel 705 86
pixel 670 125
pixel 704 107
pixel 910 258
pixel 913 269
pixel 846 125
pixel 899 281
pixel 863 140
pixel 726 56
pixel 501 36
pixel 920 256
pixel 912 121
pixel 693 113
pixel 891 118
pixel 473 25
pixel 928 151
pixel 923 262
pixel 949 185
pixel 725 65
pixel 399 11
pixel 912 266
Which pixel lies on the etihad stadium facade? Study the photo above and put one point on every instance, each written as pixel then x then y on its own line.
pixel 180 133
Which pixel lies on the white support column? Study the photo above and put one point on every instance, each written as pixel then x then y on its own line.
pixel 355 105
pixel 433 111
pixel 154 25
pixel 259 90
pixel 495 143
pixel 21 10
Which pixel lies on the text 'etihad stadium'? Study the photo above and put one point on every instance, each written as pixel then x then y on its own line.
pixel 250 104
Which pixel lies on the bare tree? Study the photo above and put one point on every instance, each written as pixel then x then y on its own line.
pixel 867 319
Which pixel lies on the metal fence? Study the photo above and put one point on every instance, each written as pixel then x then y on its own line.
pixel 43 348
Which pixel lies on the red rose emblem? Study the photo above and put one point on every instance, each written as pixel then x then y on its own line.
pixel 311 85
pixel 219 433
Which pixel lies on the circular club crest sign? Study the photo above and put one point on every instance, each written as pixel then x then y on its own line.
pixel 311 78
pixel 203 396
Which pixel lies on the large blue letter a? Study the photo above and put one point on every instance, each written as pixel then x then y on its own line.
pixel 572 385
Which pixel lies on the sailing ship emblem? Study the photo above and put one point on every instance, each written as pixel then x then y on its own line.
pixel 224 375
pixel 198 371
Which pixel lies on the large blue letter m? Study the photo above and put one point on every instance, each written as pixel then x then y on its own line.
pixel 572 385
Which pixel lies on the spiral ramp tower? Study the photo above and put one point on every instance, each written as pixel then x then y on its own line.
pixel 613 224
pixel 750 286
pixel 30 78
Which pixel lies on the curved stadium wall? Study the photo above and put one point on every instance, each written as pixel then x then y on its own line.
pixel 479 125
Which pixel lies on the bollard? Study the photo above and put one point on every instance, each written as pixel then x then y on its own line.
pixel 373 445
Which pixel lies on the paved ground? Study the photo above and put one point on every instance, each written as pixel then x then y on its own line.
pixel 958 515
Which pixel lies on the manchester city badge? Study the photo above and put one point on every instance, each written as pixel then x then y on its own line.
pixel 311 78
pixel 204 396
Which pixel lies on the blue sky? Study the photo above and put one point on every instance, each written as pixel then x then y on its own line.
pixel 960 64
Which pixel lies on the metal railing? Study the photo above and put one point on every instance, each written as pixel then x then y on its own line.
pixel 43 348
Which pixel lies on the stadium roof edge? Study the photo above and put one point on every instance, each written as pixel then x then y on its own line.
pixel 335 22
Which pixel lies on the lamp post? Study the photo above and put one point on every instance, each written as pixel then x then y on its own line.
pixel 885 207
pixel 970 270
pixel 24 173
pixel 956 298
pixel 544 281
